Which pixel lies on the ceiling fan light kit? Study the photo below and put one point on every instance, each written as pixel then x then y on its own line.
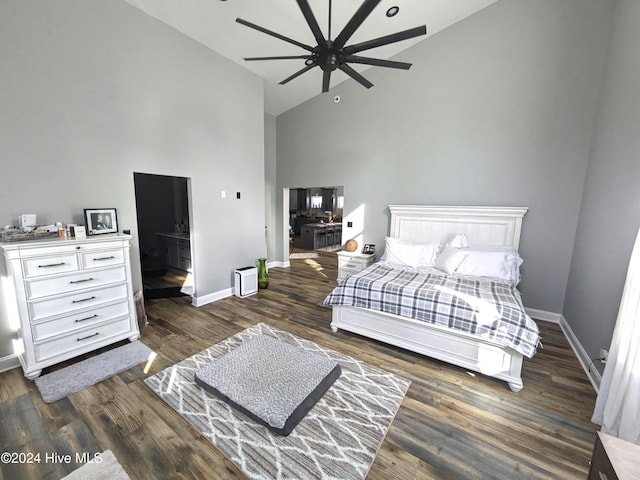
pixel 331 55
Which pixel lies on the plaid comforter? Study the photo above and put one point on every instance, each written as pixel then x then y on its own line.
pixel 488 309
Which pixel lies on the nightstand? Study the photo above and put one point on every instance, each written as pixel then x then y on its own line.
pixel 352 262
pixel 614 459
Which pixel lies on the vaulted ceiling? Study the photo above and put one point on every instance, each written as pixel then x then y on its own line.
pixel 212 23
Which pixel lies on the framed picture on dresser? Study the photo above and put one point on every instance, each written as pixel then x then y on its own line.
pixel 101 220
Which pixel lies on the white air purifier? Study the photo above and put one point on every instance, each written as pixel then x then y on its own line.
pixel 246 281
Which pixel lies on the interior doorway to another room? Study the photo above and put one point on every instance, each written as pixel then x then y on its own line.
pixel 164 234
pixel 315 218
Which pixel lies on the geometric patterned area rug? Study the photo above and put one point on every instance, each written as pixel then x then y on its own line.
pixel 338 438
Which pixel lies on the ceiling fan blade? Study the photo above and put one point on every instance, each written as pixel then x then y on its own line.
pixel 326 79
pixel 355 75
pixel 285 57
pixel 386 40
pixel 311 20
pixel 352 25
pixel 376 61
pixel 273 34
pixel 298 73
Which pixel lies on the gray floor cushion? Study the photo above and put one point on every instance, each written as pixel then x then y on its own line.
pixel 270 381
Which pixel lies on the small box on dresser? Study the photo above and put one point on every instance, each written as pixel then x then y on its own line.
pixel 65 298
pixel 353 262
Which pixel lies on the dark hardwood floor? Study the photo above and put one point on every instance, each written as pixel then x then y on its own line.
pixel 451 424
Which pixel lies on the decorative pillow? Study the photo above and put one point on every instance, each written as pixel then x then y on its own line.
pixel 457 240
pixel 494 262
pixel 449 259
pixel 402 252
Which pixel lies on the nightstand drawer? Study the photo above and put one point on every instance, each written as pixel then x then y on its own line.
pixel 353 264
pixel 344 271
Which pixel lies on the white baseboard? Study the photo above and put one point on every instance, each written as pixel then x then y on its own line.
pixel 211 297
pixel 9 362
pixel 543 315
pixel 592 373
pixel 286 264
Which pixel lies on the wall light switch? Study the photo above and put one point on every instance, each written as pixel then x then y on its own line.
pixel 238 195
pixel 349 224
pixel 223 194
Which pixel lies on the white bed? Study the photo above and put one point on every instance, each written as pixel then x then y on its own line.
pixel 494 226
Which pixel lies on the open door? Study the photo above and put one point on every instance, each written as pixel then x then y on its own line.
pixel 164 235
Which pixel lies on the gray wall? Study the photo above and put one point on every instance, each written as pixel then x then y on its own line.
pixel 271 195
pixel 93 90
pixel 498 109
pixel 610 213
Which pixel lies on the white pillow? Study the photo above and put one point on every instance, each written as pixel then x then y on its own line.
pixel 429 254
pixel 457 240
pixel 401 252
pixel 449 259
pixel 503 264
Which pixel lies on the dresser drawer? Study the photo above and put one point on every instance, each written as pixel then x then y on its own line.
pixel 71 283
pixel 29 251
pixel 51 328
pixel 48 265
pixel 79 301
pixel 81 339
pixel 102 259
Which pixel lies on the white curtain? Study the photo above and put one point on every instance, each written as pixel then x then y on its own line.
pixel 618 403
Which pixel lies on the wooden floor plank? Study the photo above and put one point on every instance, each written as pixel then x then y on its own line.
pixel 452 423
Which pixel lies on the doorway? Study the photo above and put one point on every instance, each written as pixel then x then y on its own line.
pixel 315 218
pixel 164 234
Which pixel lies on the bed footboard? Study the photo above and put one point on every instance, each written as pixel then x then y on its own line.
pixel 453 347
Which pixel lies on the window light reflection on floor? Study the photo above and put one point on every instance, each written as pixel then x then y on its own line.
pixel 316 266
pixel 152 357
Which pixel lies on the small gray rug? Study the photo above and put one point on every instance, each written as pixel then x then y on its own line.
pixel 103 467
pixel 64 382
pixel 338 439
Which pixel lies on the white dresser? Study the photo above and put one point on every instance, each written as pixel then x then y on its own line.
pixel 350 263
pixel 67 297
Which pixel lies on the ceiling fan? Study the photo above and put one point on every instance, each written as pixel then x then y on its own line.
pixel 330 54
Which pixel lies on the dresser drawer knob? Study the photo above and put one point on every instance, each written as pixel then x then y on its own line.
pixel 81 281
pixel 86 318
pixel 83 300
pixel 88 336
pixel 52 265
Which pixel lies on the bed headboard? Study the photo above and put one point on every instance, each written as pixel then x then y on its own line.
pixel 497 226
